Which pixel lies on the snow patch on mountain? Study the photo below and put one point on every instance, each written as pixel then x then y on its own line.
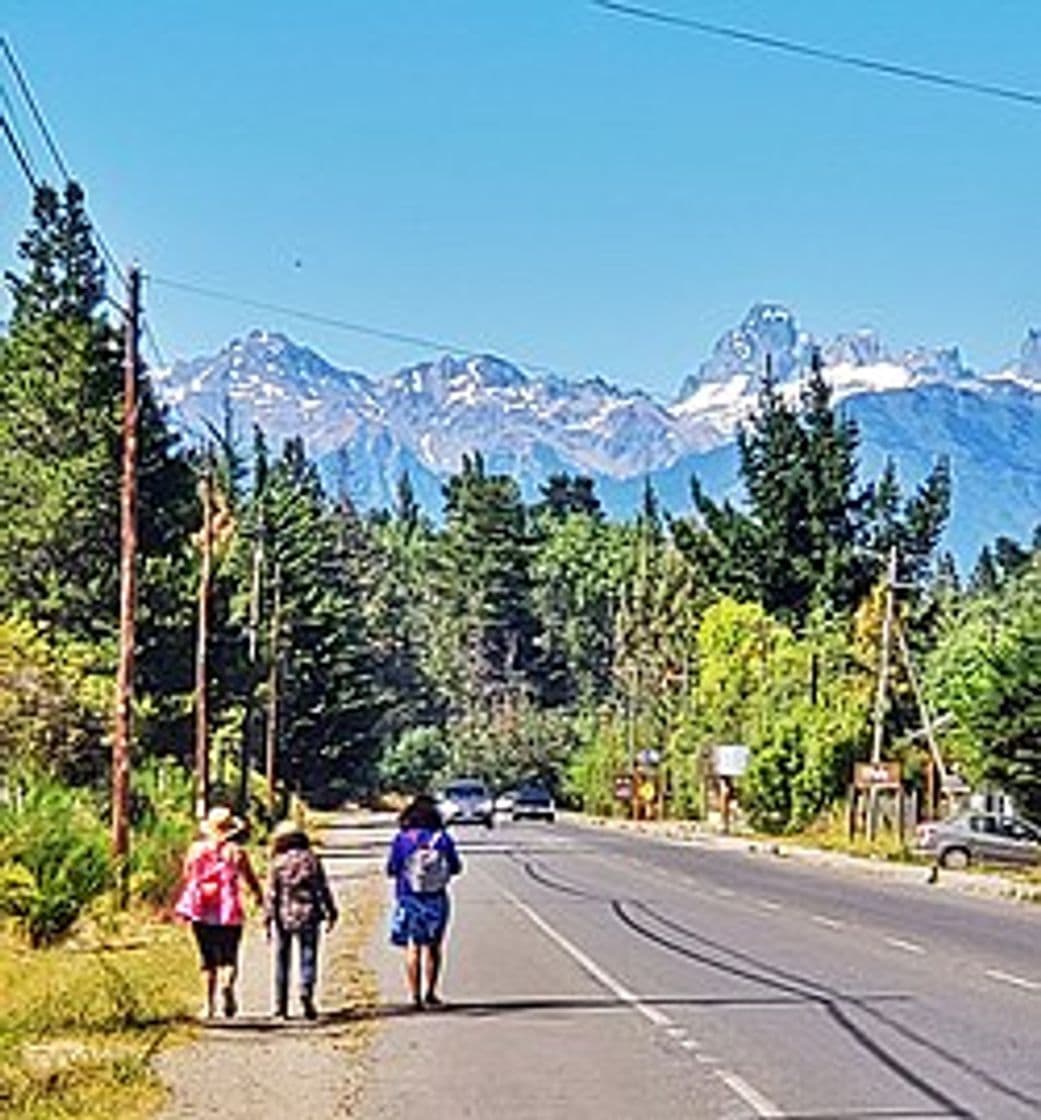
pixel 425 417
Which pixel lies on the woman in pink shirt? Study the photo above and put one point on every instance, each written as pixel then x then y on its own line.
pixel 211 899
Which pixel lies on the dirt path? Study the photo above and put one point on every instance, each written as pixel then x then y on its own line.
pixel 253 1067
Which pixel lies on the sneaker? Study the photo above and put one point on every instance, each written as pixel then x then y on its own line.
pixel 434 1000
pixel 231 1006
pixel 310 1011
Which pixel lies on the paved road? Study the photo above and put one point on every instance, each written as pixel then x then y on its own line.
pixel 598 974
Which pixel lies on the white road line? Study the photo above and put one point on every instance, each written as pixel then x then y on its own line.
pixel 768 904
pixel 907 946
pixel 831 923
pixel 1015 981
pixel 651 1014
pixel 676 1032
pixel 760 1105
pixel 689 1044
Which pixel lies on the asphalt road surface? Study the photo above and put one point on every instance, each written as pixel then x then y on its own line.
pixel 597 974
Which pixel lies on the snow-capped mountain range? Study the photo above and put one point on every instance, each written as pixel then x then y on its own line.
pixel 911 406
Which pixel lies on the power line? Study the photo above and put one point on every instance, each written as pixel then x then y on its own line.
pixel 332 321
pixel 807 50
pixel 157 350
pixel 52 147
pixel 19 155
pixel 12 118
pixel 27 94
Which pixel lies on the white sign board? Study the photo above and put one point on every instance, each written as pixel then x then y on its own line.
pixel 730 760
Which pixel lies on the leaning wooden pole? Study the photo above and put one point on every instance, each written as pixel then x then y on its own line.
pixel 202 638
pixel 271 751
pixel 122 737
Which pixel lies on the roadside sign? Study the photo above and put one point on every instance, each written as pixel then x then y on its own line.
pixel 730 760
pixel 876 775
pixel 955 783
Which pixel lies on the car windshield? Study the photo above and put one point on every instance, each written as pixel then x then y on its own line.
pixel 470 789
pixel 532 793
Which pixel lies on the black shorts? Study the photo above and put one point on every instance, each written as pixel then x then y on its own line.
pixel 218 945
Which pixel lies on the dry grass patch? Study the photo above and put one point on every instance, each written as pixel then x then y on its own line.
pixel 80 1022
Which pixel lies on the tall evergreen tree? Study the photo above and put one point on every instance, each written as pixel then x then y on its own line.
pixel 486 580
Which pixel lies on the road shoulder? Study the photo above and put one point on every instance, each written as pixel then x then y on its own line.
pixel 259 1068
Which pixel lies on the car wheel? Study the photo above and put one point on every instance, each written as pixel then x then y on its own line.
pixel 955 858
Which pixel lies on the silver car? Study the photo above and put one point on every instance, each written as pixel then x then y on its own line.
pixel 974 837
pixel 466 801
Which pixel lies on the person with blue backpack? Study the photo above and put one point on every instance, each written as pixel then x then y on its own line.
pixel 422 861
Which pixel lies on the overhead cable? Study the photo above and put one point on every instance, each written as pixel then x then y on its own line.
pixel 332 321
pixel 27 94
pixel 12 119
pixel 19 155
pixel 821 54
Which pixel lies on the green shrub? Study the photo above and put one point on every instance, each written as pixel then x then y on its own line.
pixel 54 857
pixel 163 828
pixel 415 761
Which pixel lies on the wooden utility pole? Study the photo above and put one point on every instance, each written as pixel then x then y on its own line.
pixel 882 691
pixel 272 693
pixel 123 731
pixel 250 743
pixel 202 731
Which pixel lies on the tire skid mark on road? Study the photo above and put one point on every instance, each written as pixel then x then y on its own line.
pixel 587 964
pixel 759 1104
pixel 819 993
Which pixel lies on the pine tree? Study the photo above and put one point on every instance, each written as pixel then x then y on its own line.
pixel 60 441
pixel 485 577
pixel 328 703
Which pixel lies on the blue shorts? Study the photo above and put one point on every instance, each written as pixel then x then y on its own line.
pixel 419 919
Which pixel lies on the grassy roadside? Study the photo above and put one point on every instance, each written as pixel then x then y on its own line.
pixel 80 1021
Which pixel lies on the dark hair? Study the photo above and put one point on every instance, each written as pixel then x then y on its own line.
pixel 290 841
pixel 421 812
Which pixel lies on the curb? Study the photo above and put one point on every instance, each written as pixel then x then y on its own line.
pixel 980 884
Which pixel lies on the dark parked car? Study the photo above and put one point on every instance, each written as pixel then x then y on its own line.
pixel 974 837
pixel 466 801
pixel 533 801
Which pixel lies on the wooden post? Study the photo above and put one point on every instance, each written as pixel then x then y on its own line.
pixel 881 692
pixel 202 730
pixel 270 767
pixel 250 737
pixel 123 732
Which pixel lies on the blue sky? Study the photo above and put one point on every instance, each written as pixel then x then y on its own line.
pixel 542 179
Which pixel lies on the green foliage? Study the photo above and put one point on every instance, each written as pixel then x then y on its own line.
pixel 986 672
pixel 163 826
pixel 485 586
pixel 416 761
pixel 812 537
pixel 54 703
pixel 54 852
pixel 601 754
